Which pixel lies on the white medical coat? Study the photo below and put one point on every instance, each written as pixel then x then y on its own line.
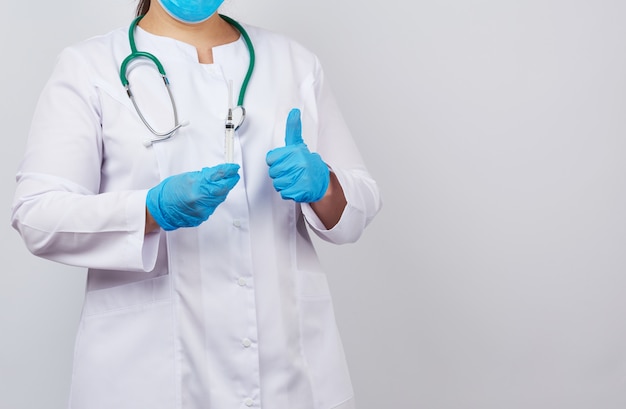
pixel 234 313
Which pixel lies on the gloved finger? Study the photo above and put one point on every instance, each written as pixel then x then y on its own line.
pixel 285 164
pixel 223 170
pixel 286 179
pixel 279 154
pixel 293 131
pixel 292 193
pixel 222 186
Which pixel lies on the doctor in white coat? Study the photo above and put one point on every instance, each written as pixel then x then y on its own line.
pixel 204 289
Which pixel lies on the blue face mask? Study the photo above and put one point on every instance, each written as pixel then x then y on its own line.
pixel 191 11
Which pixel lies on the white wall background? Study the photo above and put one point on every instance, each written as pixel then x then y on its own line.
pixel 494 277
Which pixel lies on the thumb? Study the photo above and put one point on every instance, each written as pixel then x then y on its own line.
pixel 293 131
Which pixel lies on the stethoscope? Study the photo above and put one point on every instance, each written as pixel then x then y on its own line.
pixel 162 136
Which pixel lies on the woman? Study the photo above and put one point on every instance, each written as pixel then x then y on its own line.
pixel 204 289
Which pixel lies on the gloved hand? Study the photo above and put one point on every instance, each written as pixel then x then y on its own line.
pixel 188 199
pixel 298 174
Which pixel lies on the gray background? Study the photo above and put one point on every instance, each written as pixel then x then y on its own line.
pixel 494 277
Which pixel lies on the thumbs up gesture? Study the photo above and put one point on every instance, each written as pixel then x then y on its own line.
pixel 297 173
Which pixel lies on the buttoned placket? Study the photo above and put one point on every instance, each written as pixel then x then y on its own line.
pixel 244 280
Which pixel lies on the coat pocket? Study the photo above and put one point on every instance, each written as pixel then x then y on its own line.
pixel 124 354
pixel 321 342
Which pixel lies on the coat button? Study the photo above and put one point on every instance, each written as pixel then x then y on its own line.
pixel 246 342
pixel 242 281
pixel 237 223
pixel 248 402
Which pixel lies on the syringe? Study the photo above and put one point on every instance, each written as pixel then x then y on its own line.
pixel 229 137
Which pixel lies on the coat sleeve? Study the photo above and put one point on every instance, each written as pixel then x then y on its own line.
pixel 58 208
pixel 339 150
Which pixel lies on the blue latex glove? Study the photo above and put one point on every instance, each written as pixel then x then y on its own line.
pixel 188 199
pixel 297 173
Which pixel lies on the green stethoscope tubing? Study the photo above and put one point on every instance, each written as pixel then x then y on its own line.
pixel 142 54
